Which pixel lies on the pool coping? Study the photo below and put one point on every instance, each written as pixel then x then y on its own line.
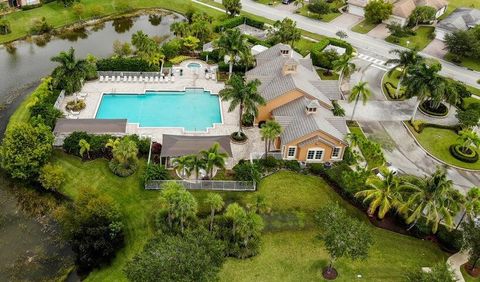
pixel 207 129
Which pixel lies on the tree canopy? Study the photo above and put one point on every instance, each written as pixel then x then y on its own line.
pixel 377 11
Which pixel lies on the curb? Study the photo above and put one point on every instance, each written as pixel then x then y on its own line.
pixel 432 156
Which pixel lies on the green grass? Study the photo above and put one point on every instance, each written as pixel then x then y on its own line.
pixel 289 252
pixel 453 4
pixel 363 27
pixel 332 76
pixel 392 77
pixel 419 41
pixel 304 46
pixel 437 141
pixel 324 18
pixel 470 63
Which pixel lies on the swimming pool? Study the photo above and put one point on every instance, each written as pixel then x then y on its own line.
pixel 192 109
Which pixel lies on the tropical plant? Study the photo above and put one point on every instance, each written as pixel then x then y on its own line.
pixel 183 165
pixel 285 31
pixel 125 152
pixel 471 205
pixel 179 204
pixel 216 203
pixel 344 66
pixel 147 48
pixel 69 75
pixel 232 7
pixel 354 139
pixel 213 158
pixel 471 243
pixel 343 236
pixel 51 176
pixel 429 197
pixel 438 273
pixel 155 172
pixel 236 214
pixel 405 60
pixel 468 139
pixel 381 194
pixel 232 43
pixel 84 147
pixel 243 95
pixel 270 131
pixel 359 91
pixel 196 164
pixel 422 14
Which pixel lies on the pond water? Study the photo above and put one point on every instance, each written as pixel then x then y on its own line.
pixel 30 249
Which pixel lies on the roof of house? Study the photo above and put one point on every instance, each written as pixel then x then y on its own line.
pixel 297 123
pixel 460 19
pixel 93 126
pixel 274 83
pixel 181 145
pixel 404 8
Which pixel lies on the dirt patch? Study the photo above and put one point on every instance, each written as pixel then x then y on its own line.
pixel 475 273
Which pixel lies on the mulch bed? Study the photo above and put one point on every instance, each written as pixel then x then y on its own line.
pixel 475 273
pixel 330 274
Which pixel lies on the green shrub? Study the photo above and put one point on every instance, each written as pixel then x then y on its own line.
pixel 337 110
pixel 125 64
pixel 319 7
pixel 317 169
pixel 456 152
pixel 5 27
pixel 418 125
pixel 156 172
pixel 70 144
pixel 451 239
pixel 51 176
pixel 40 26
pixel 236 21
pixel 318 56
pixel 292 165
pixel 120 170
pixel 270 163
pixel 143 144
pixel 246 171
pixel 178 59
pixel 76 105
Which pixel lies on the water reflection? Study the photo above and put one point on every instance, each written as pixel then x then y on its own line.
pixel 155 19
pixel 122 25
pixel 73 35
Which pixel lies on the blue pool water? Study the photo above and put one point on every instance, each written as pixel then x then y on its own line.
pixel 193 109
pixel 193 66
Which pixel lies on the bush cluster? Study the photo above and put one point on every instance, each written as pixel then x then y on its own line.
pixel 236 21
pixel 125 64
pixel 391 90
pixel 456 151
pixel 40 26
pixel 319 57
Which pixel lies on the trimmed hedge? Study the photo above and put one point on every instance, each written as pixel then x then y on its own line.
pixel 441 111
pixel 456 152
pixel 125 64
pixel 318 48
pixel 420 126
pixel 391 90
pixel 236 21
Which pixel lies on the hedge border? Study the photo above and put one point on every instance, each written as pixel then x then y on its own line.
pixel 236 21
pixel 428 112
pixel 455 152
pixel 322 44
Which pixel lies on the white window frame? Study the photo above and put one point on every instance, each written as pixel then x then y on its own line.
pixel 339 152
pixel 294 152
pixel 316 151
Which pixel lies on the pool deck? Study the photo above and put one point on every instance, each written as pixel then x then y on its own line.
pixel 95 89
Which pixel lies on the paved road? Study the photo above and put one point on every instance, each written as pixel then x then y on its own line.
pixel 365 44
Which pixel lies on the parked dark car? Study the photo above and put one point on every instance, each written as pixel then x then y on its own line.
pixel 286 2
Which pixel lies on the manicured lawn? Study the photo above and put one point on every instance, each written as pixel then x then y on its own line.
pixel 332 76
pixel 419 41
pixel 290 251
pixel 324 18
pixel 437 141
pixel 453 4
pixel 363 27
pixel 304 46
pixel 470 63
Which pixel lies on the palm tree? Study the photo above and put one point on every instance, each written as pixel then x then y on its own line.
pixel 424 82
pixel 215 201
pixel 236 214
pixel 468 139
pixel 354 139
pixel 344 66
pixel 232 43
pixel 84 147
pixel 269 131
pixel 471 205
pixel 183 165
pixel 299 3
pixel 196 164
pixel 429 197
pixel 406 59
pixel 382 194
pixel 186 206
pixel 244 95
pixel 359 91
pixel 213 158
pixel 70 74
pixel 125 152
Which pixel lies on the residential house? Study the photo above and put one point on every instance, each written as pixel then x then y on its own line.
pixel 20 3
pixel 300 101
pixel 402 9
pixel 460 19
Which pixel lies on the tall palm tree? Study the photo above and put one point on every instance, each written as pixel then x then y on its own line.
pixel 84 147
pixel 216 203
pixel 471 205
pixel 196 164
pixel 232 43
pixel 359 91
pixel 424 82
pixel 244 95
pixel 183 165
pixel 468 139
pixel 269 131
pixel 354 139
pixel 429 197
pixel 406 59
pixel 71 72
pixel 382 194
pixel 213 158
pixel 344 66
pixel 236 214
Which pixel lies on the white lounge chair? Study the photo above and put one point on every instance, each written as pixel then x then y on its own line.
pixel 172 79
pixel 101 78
pixel 83 95
pixel 207 76
pixel 124 79
pixel 74 113
pixel 155 79
pixel 167 79
pixel 70 116
pixel 129 79
pixel 162 79
pixel 134 79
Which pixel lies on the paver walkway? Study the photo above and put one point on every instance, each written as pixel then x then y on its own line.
pixel 455 263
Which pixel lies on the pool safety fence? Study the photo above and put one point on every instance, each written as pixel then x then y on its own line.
pixel 212 185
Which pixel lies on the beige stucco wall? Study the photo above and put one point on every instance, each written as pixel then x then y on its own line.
pixel 301 154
